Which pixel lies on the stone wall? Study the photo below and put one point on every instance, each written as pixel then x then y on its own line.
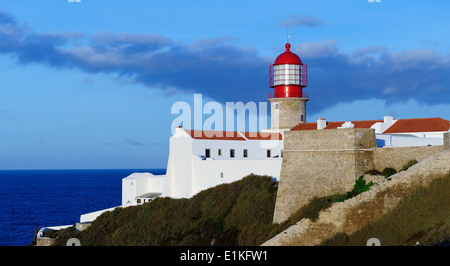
pixel 353 214
pixel 326 162
pixel 397 157
pixel 320 163
pixel 82 226
pixel 44 241
pixel 447 141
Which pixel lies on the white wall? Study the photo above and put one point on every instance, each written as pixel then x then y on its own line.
pixel 406 140
pixel 256 149
pixel 178 165
pixel 89 217
pixel 137 184
pixel 187 173
pixel 210 173
pixel 435 135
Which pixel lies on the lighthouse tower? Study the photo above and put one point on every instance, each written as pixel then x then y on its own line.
pixel 287 75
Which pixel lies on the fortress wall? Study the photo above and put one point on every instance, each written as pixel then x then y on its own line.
pixel 353 214
pixel 447 141
pixel 325 162
pixel 320 163
pixel 398 156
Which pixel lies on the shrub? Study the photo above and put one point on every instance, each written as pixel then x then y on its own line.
pixel 421 216
pixel 388 171
pixel 50 233
pixel 238 213
pixel 310 211
pixel 359 187
pixel 408 164
pixel 373 172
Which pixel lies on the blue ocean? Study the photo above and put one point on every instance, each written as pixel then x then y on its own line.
pixel 30 199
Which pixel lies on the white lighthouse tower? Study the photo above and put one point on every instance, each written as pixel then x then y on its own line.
pixel 288 77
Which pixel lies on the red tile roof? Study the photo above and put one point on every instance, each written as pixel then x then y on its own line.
pixel 401 126
pixel 262 136
pixel 212 134
pixel 419 125
pixel 305 126
pixel 334 125
pixel 232 135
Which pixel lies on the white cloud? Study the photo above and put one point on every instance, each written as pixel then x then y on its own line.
pixel 319 49
pixel 301 20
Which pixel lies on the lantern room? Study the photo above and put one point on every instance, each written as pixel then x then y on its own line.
pixel 288 75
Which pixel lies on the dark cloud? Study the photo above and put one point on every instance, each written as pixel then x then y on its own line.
pixel 6 18
pixel 373 72
pixel 224 71
pixel 301 20
pixel 134 142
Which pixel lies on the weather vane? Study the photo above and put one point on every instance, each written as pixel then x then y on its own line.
pixel 287 33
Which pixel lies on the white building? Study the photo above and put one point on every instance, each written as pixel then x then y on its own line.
pixel 199 160
pixel 392 132
pixel 202 159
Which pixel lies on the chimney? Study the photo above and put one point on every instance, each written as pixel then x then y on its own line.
pixel 321 123
pixel 388 119
pixel 347 124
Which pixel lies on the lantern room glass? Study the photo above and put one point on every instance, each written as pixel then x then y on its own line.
pixel 288 74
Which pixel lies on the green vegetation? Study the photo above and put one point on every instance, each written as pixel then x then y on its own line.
pixel 422 216
pixel 388 171
pixel 241 213
pixel 408 165
pixel 309 211
pixel 373 172
pixel 359 187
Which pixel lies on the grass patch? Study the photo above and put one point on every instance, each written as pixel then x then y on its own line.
pixel 373 172
pixel 422 216
pixel 359 187
pixel 239 213
pixel 235 214
pixel 408 165
pixel 388 171
pixel 309 211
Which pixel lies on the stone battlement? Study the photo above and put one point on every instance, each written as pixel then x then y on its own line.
pixel 325 162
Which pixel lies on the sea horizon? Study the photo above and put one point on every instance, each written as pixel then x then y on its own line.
pixel 34 198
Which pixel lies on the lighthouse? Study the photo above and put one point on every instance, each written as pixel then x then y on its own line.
pixel 288 77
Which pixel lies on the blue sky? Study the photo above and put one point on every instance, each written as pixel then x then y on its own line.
pixel 91 84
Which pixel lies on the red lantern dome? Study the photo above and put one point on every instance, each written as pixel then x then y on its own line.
pixel 288 57
pixel 288 75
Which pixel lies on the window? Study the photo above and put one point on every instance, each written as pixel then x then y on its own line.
pixel 301 118
pixel 268 154
pixel 219 152
pixel 282 154
pixel 232 153
pixel 138 200
pixel 207 153
pixel 221 175
pixel 276 106
pixel 245 153
pixel 286 74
